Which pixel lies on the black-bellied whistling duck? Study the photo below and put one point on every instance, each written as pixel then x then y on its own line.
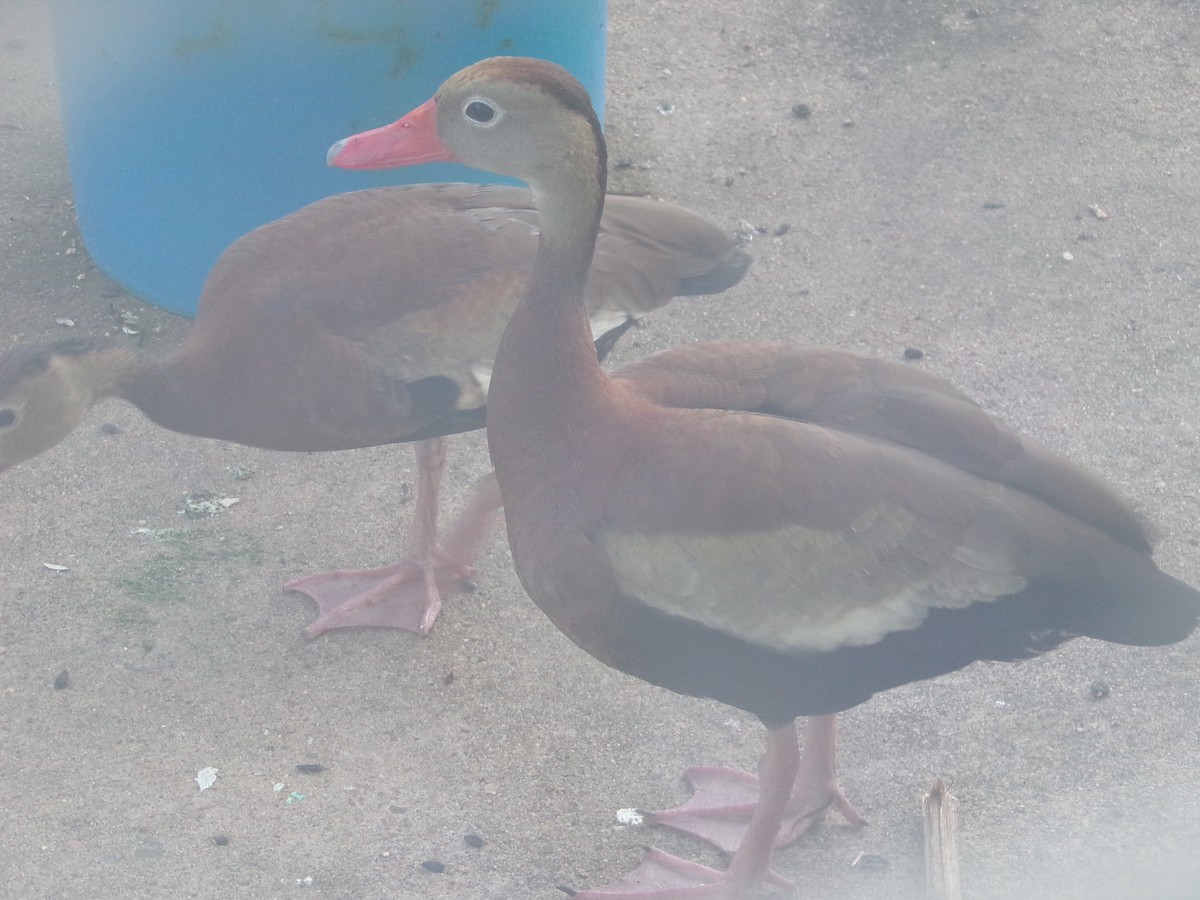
pixel 785 567
pixel 363 319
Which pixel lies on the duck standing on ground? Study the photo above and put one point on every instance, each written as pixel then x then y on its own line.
pixel 366 318
pixel 784 567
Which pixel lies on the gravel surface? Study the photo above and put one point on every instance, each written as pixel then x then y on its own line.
pixel 1011 188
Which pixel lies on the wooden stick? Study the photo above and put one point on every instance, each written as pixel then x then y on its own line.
pixel 939 808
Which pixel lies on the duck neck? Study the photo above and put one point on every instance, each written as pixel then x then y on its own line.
pixel 152 385
pixel 547 376
pixel 93 370
pixel 172 395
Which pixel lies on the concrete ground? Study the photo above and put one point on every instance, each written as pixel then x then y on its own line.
pixel 915 174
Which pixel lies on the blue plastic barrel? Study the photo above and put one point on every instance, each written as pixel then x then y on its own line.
pixel 190 122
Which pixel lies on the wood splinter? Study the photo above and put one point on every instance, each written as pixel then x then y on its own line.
pixel 940 810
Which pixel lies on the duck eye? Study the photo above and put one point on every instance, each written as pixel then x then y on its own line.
pixel 481 112
pixel 7 417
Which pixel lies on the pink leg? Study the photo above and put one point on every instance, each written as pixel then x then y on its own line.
pixel 723 800
pixel 423 551
pixel 408 594
pixel 664 877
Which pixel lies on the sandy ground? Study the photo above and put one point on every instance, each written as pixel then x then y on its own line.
pixel 947 170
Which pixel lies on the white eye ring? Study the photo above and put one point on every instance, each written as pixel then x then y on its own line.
pixel 481 112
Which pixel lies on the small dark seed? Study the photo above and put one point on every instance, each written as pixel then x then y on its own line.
pixel 448 679
pixel 110 428
pixel 801 110
pixel 623 162
pixel 310 768
pixel 62 680
pixel 1099 690
pixel 432 865
pixel 474 840
pixel 221 840
pixel 992 204
pixel 914 353
pixel 782 229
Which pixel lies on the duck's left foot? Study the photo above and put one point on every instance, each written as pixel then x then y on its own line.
pixel 661 876
pixel 405 595
pixel 723 800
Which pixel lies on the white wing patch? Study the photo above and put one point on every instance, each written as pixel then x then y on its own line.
pixel 482 376
pixel 605 320
pixel 799 588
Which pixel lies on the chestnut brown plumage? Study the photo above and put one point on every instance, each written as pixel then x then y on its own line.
pixel 790 560
pixel 363 319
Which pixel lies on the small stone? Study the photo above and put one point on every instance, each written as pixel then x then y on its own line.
pixel 870 862
pixel 62 680
pixel 432 865
pixel 474 840
pixel 199 504
pixel 914 353
pixel 801 110
pixel 630 816
pixel 221 840
pixel 1099 690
